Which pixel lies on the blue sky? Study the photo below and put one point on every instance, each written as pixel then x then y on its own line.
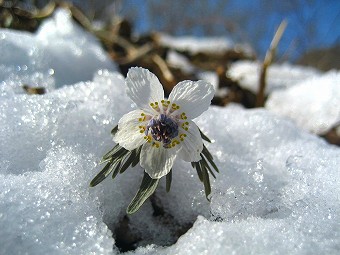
pixel 311 23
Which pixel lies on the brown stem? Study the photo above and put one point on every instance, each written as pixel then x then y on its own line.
pixel 260 98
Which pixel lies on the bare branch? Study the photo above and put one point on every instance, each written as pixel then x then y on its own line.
pixel 270 55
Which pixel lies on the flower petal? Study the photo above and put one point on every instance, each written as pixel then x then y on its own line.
pixel 143 87
pixel 193 97
pixel 128 134
pixel 157 162
pixel 192 145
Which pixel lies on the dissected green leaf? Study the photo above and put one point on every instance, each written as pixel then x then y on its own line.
pixel 111 152
pixel 117 159
pixel 206 180
pixel 102 161
pixel 136 161
pixel 198 170
pixel 130 158
pixel 168 180
pixel 120 153
pixel 102 174
pixel 116 167
pixel 146 189
pixel 208 167
pixel 204 137
pixel 114 130
pixel 206 152
pixel 211 162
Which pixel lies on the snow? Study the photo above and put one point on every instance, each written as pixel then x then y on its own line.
pixel 178 60
pixel 307 96
pixel 210 77
pixel 314 104
pixel 59 53
pixel 279 76
pixel 277 191
pixel 194 44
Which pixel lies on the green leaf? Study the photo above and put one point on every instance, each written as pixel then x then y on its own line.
pixel 146 189
pixel 116 167
pixel 204 137
pixel 114 130
pixel 208 167
pixel 111 152
pixel 102 161
pixel 128 161
pixel 198 170
pixel 102 174
pixel 120 153
pixel 168 180
pixel 206 153
pixel 136 161
pixel 211 163
pixel 206 181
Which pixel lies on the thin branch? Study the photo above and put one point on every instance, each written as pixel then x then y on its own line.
pixel 270 55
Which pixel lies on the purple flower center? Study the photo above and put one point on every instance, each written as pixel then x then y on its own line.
pixel 162 129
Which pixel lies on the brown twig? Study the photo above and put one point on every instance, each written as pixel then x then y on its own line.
pixel 163 68
pixel 260 98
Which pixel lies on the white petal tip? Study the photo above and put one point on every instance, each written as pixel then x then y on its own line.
pixel 154 175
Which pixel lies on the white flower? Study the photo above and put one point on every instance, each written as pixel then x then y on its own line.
pixel 163 127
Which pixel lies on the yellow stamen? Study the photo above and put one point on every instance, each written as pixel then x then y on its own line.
pixel 148 138
pixel 183 116
pixel 142 129
pixel 184 125
pixel 143 118
pixel 154 144
pixel 154 105
pixel 165 103
pixel 182 136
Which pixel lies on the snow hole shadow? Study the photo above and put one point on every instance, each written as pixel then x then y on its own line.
pixel 129 237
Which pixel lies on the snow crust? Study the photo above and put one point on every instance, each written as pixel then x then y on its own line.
pixel 279 76
pixel 314 104
pixel 277 191
pixel 205 44
pixel 308 97
pixel 278 185
pixel 59 53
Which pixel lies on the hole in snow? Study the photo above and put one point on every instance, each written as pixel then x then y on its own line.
pixel 159 228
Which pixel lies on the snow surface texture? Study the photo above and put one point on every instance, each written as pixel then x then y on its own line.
pixel 277 193
pixel 278 190
pixel 305 95
pixel 206 44
pixel 315 105
pixel 279 76
pixel 59 53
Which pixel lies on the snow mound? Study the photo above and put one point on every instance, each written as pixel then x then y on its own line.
pixel 314 104
pixel 277 191
pixel 59 53
pixel 48 156
pixel 205 44
pixel 279 76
